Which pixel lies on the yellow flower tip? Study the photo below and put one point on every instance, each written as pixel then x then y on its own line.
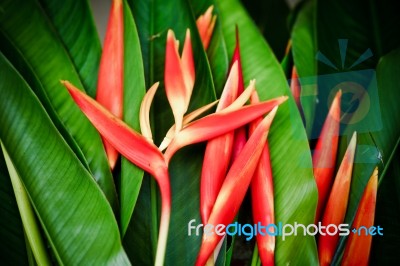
pixel 242 99
pixel 144 114
pixel 230 91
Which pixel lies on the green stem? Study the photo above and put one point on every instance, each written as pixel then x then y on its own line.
pixel 31 227
pixel 254 259
pixel 154 214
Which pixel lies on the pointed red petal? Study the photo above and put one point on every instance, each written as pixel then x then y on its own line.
pixel 240 133
pixel 337 204
pixel 236 58
pixel 188 67
pixel 324 156
pixel 111 72
pixel 214 167
pixel 230 91
pixel 175 87
pixel 128 142
pixel 235 186
pixel 205 25
pixel 217 124
pixel 358 246
pixel 262 195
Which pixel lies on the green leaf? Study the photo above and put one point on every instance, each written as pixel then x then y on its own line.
pixel 74 213
pixel 304 51
pixel 29 222
pixel 79 36
pixel 28 29
pixel 134 90
pixel 385 248
pixel 378 146
pixel 12 241
pixel 295 190
pixel 153 19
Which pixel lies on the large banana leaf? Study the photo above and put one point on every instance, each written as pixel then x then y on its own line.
pixel 153 19
pixel 75 215
pixel 28 29
pixel 304 51
pixel 12 240
pixel 79 36
pixel 378 147
pixel 295 191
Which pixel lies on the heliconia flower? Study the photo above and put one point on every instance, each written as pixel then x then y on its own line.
pixel 205 25
pixel 337 204
pixel 179 76
pixel 239 102
pixel 262 195
pixel 235 186
pixel 295 88
pixel 136 149
pixel 240 138
pixel 219 123
pixel 186 120
pixel 111 72
pixel 358 247
pixel 218 153
pixel 324 156
pixel 144 113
